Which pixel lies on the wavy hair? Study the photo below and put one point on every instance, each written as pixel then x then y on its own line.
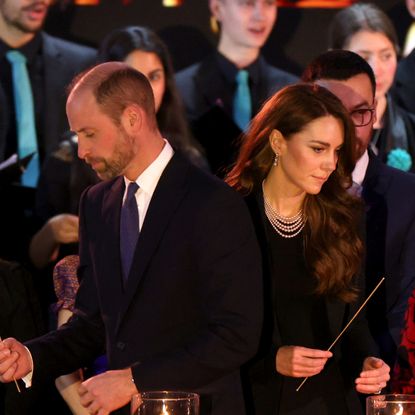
pixel 333 248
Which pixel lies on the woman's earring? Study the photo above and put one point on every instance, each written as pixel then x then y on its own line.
pixel 276 159
pixel 214 26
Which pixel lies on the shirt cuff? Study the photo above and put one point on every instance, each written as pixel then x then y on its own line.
pixel 28 378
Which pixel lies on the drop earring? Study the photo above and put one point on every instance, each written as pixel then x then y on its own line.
pixel 276 159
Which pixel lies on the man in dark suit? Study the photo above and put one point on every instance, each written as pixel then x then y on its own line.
pixel 51 63
pixel 389 196
pixel 181 308
pixel 210 88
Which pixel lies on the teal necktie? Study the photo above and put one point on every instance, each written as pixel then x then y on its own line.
pixel 242 108
pixel 25 117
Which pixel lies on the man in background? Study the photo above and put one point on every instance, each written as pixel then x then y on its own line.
pixel 389 196
pixel 224 91
pixel 36 68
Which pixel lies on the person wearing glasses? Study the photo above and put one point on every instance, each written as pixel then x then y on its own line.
pixel 389 196
pixel 365 29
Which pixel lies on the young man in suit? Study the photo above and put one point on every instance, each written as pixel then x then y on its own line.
pixel 50 64
pixel 217 106
pixel 171 274
pixel 389 196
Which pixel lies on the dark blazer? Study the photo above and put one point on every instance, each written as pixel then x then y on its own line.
pixel 389 195
pixel 259 375
pixel 403 89
pixel 190 314
pixel 207 100
pixel 62 60
pixel 398 132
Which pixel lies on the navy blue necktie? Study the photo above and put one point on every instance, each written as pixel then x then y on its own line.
pixel 129 229
pixel 25 117
pixel 242 107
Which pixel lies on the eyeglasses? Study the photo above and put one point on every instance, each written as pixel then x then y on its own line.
pixel 362 116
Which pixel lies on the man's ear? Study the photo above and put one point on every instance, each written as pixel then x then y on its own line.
pixel 131 119
pixel 214 6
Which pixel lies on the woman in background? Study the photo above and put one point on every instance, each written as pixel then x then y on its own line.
pixel 294 169
pixel 142 49
pixel 365 29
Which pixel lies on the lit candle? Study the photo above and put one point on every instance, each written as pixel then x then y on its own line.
pixel 172 3
pixel 165 412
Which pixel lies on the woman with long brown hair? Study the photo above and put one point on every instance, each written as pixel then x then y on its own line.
pixel 294 169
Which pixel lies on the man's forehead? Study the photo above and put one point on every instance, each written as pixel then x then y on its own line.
pixel 353 92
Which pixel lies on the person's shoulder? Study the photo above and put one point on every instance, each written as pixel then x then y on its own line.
pixel 275 74
pixel 185 76
pixel 204 185
pixel 200 68
pixel 67 47
pixel 405 70
pixel 400 178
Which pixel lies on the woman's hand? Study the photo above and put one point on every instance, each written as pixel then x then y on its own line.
pixel 374 376
pixel 299 362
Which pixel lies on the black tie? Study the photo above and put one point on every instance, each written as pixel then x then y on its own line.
pixel 129 229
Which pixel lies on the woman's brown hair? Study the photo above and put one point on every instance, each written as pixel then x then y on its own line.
pixel 333 248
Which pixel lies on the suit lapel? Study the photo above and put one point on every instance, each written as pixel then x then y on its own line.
pixel 111 206
pixel 210 83
pixel 166 198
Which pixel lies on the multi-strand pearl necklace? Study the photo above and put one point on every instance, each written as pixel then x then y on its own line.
pixel 287 227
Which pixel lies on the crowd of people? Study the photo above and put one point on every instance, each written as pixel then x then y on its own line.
pixel 211 231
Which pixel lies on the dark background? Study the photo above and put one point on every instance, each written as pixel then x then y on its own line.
pixel 298 36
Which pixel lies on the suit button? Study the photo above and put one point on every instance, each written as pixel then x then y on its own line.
pixel 121 345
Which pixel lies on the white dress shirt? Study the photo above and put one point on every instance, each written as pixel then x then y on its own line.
pixel 148 179
pixel 359 171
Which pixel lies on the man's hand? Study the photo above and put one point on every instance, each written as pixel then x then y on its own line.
pixel 15 360
pixel 373 377
pixel 108 391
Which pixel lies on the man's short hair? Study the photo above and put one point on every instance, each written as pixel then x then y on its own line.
pixel 339 65
pixel 116 85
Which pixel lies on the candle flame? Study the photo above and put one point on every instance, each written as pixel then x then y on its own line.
pixel 165 412
pixel 400 412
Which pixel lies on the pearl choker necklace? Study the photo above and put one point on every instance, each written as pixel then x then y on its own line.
pixel 287 227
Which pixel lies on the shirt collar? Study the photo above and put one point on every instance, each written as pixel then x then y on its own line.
pixel 148 179
pixel 229 69
pixel 359 171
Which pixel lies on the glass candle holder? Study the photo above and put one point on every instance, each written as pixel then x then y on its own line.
pixel 165 403
pixel 393 404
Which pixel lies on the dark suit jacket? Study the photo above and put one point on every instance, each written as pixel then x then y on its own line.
pixel 403 89
pixel 389 195
pixel 259 375
pixel 205 95
pixel 62 60
pixel 190 314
